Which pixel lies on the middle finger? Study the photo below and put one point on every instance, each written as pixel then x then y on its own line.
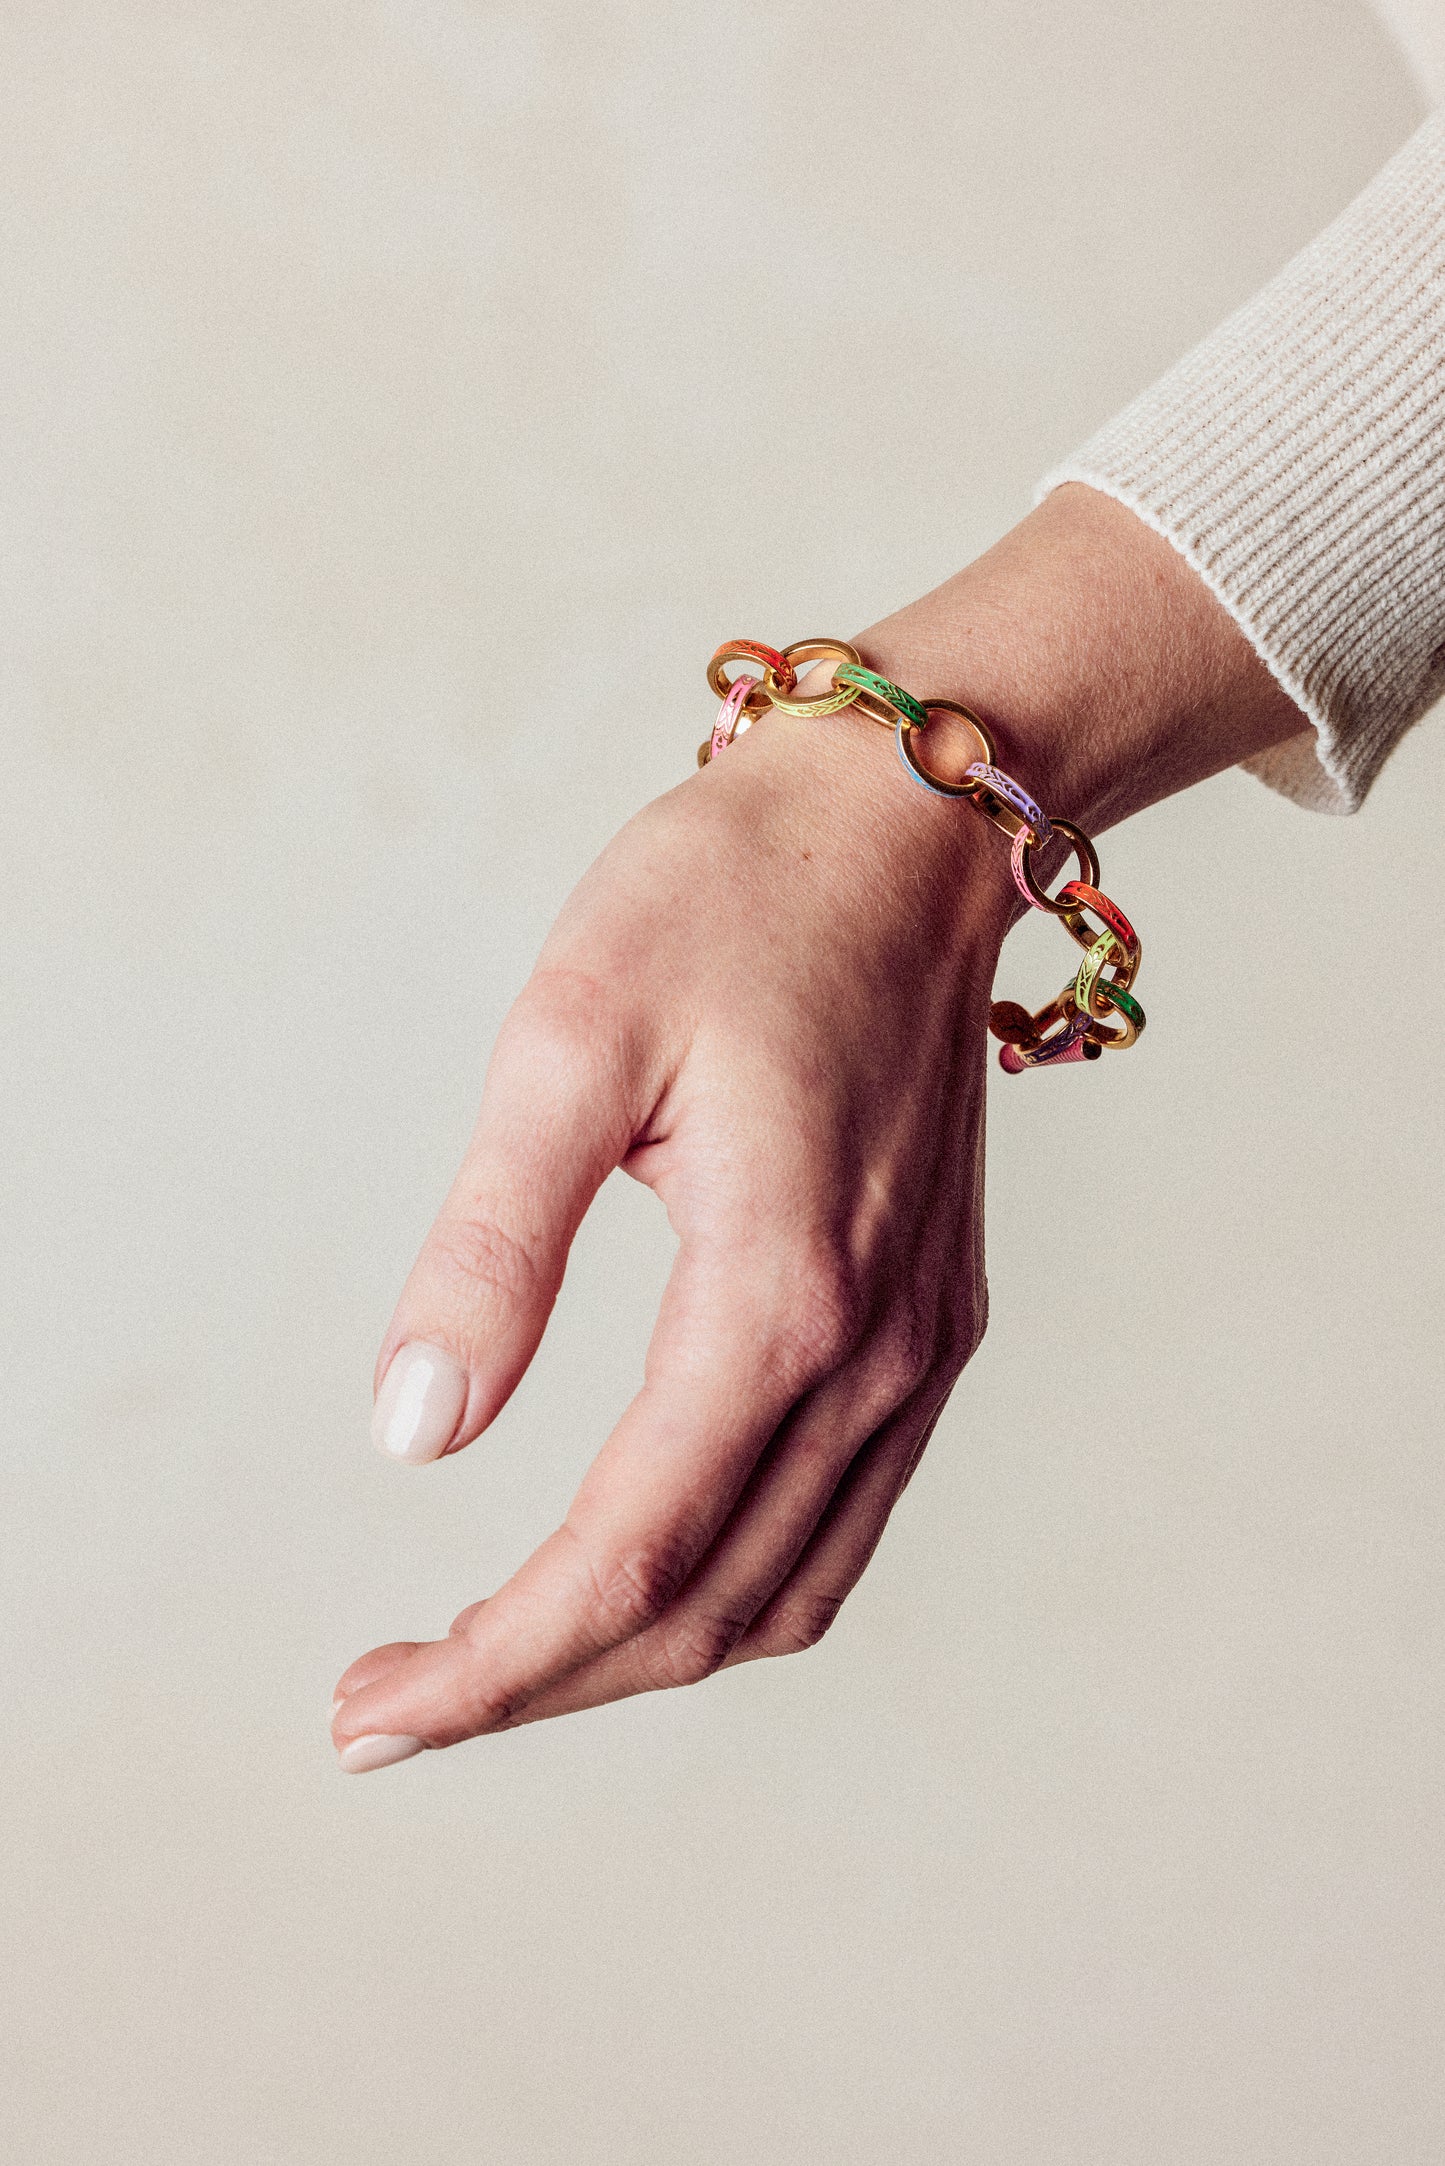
pixel 771 1526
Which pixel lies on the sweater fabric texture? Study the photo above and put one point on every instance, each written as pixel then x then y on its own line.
pixel 1296 459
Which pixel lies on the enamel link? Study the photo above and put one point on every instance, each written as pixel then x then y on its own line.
pixel 731 718
pixel 879 699
pixel 997 794
pixel 1096 1011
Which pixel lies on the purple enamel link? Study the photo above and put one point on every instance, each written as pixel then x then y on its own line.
pixel 1065 1045
pixel 1013 795
pixel 729 712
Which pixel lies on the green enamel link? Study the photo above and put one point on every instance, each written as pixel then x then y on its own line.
pixel 1125 1002
pixel 892 695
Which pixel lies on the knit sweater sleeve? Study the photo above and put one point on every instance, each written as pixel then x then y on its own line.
pixel 1296 459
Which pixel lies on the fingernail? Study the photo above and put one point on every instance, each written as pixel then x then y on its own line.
pixel 339 1701
pixel 419 1404
pixel 365 1753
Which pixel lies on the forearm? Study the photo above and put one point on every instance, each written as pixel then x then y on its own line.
pixel 1296 462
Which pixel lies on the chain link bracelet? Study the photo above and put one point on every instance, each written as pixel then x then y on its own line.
pixel 1096 1012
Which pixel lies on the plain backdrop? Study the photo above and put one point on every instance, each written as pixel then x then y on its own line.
pixel 397 403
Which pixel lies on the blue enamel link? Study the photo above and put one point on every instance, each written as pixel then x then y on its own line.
pixel 903 739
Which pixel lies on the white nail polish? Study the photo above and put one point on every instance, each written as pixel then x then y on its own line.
pixel 365 1753
pixel 419 1404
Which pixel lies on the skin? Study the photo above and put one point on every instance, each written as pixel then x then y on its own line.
pixel 767 1001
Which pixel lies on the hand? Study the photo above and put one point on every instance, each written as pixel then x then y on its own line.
pixel 791 1056
pixel 767 1001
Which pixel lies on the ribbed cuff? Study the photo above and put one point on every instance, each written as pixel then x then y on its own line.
pixel 1296 459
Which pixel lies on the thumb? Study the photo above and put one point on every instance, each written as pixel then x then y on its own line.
pixel 557 1115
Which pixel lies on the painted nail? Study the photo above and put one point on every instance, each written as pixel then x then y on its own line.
pixel 419 1404
pixel 365 1753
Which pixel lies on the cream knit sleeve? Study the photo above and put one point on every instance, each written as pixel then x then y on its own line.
pixel 1296 458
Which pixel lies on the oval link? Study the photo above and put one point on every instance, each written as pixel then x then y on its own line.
pixel 994 792
pixel 1130 1014
pixel 748 650
pixel 908 751
pixel 1103 951
pixel 879 698
pixel 1104 908
pixel 1020 863
pixel 817 703
pixel 1118 945
pixel 732 719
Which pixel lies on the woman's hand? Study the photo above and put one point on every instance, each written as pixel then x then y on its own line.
pixel 767 1001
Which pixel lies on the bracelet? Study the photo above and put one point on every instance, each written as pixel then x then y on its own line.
pixel 1096 1012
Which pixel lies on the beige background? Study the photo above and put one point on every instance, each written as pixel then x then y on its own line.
pixel 398 403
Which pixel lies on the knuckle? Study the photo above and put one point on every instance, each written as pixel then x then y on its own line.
pixel 633 1589
pixel 964 1335
pixel 563 1019
pixel 798 1623
pixel 482 1708
pixel 489 1711
pixel 906 1351
pixel 479 1255
pixel 822 1318
pixel 696 1647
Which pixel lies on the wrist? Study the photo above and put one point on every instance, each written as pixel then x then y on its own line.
pixel 836 792
pixel 1109 672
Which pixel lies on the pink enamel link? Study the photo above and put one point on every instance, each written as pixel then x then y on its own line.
pixel 728 715
pixel 1021 842
pixel 1075 892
